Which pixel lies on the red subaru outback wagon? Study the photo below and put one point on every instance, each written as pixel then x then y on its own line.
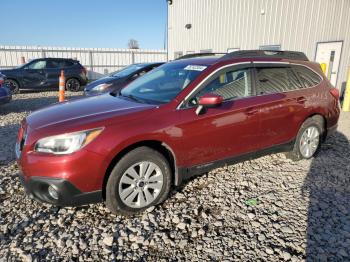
pixel 184 118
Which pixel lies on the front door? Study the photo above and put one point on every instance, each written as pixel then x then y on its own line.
pixel 34 75
pixel 328 53
pixel 230 129
pixel 53 71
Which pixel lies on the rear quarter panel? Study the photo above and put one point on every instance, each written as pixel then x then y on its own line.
pixel 321 100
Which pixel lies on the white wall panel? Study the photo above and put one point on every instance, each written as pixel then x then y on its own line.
pixel 294 24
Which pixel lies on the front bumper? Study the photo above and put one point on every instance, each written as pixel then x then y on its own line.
pixel 68 194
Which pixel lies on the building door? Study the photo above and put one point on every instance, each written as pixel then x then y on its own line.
pixel 328 53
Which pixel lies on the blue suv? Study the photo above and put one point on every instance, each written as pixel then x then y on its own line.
pixel 44 73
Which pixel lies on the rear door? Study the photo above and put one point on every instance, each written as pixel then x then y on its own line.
pixel 224 131
pixel 280 102
pixel 52 73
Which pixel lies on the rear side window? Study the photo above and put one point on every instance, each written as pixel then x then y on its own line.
pixel 308 77
pixel 52 64
pixel 65 63
pixel 276 80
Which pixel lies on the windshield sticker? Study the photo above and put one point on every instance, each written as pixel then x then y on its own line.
pixel 195 67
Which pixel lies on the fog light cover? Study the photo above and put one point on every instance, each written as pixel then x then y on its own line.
pixel 52 192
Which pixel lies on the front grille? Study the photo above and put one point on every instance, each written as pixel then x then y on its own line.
pixel 20 141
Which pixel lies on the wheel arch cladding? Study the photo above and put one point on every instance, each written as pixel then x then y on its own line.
pixel 322 118
pixel 159 146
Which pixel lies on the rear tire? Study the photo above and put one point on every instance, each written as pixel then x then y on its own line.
pixel 73 85
pixel 140 179
pixel 308 141
pixel 13 85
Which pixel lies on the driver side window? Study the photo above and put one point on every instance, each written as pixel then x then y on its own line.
pixel 41 64
pixel 230 85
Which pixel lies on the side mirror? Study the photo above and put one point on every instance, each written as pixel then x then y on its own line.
pixel 208 100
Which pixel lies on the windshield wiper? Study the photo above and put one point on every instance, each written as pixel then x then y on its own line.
pixel 132 97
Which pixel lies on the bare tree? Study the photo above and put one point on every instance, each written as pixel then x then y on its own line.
pixel 133 44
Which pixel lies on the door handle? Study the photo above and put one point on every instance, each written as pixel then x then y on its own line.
pixel 252 111
pixel 301 100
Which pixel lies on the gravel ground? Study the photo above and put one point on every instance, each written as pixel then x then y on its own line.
pixel 267 209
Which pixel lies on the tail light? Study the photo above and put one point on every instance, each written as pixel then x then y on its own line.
pixel 84 71
pixel 1 81
pixel 335 93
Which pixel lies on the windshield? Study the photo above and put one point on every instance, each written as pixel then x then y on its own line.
pixel 127 70
pixel 162 84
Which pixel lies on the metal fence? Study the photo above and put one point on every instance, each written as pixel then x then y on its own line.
pixel 98 61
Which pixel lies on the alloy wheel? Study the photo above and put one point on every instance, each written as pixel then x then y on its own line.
pixel 73 85
pixel 141 184
pixel 309 141
pixel 12 85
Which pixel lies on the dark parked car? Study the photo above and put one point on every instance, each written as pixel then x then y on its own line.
pixel 5 93
pixel 117 80
pixel 184 118
pixel 44 73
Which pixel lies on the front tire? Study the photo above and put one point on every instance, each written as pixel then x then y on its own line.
pixel 309 139
pixel 142 178
pixel 13 85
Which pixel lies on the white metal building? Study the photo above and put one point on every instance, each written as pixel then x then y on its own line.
pixel 320 28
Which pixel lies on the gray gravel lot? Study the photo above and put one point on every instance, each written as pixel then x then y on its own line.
pixel 297 211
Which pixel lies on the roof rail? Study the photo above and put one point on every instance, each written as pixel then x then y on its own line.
pixel 266 53
pixel 198 55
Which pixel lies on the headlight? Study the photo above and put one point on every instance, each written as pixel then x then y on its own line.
pixel 67 143
pixel 101 87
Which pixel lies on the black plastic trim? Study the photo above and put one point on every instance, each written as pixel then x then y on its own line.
pixel 188 172
pixel 293 55
pixel 331 130
pixel 69 195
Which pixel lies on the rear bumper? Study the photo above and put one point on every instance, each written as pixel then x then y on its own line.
pixel 68 194
pixel 83 79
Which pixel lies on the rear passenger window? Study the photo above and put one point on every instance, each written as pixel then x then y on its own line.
pixel 229 85
pixel 308 77
pixel 52 64
pixel 276 80
pixel 65 63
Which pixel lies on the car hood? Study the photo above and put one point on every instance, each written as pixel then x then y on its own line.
pixel 104 80
pixel 83 111
pixel 8 72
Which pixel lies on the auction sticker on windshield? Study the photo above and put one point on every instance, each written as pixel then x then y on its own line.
pixel 195 67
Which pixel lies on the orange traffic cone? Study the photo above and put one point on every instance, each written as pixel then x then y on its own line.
pixel 61 87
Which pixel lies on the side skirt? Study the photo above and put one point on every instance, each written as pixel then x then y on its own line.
pixel 185 173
